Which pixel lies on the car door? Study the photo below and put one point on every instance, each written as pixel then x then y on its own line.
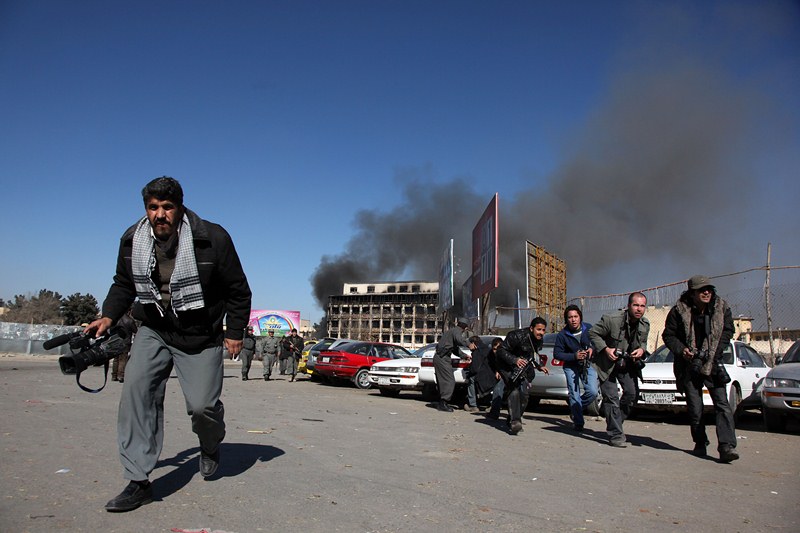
pixel 753 369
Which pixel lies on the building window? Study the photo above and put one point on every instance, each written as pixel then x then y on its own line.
pixel 370 289
pixel 403 288
pixel 391 288
pixel 415 288
pixel 353 290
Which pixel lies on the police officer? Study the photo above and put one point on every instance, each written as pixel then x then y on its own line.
pixel 248 350
pixel 448 345
pixel 270 349
pixel 291 348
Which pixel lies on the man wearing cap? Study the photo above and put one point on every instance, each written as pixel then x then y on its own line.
pixel 697 330
pixel 248 350
pixel 448 345
pixel 270 350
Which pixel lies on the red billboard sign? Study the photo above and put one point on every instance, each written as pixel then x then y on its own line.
pixel 485 252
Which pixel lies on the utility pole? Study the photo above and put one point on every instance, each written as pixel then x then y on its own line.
pixel 768 304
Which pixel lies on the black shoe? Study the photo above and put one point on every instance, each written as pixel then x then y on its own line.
pixel 516 427
pixel 444 407
pixel 292 378
pixel 493 415
pixel 728 454
pixel 209 462
pixel 134 496
pixel 121 380
pixel 578 428
pixel 266 378
pixel 699 450
pixel 618 443
pixel 244 378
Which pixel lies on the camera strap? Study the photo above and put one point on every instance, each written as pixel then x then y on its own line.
pixel 87 389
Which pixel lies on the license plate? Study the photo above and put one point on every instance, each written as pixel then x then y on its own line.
pixel 658 397
pixel 325 359
pixel 383 381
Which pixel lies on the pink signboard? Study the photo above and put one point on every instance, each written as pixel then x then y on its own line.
pixel 281 322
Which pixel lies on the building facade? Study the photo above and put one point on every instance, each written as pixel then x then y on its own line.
pixel 400 312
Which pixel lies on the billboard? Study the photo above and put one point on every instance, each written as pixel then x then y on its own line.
pixel 485 252
pixel 547 284
pixel 446 298
pixel 281 322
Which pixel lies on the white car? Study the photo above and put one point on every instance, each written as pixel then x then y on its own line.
pixel 395 375
pixel 745 367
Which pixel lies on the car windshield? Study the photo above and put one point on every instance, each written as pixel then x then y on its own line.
pixel 793 354
pixel 662 355
pixel 322 345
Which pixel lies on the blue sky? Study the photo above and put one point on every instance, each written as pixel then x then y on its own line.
pixel 283 120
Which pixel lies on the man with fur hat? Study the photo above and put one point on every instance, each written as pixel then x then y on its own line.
pixel 697 330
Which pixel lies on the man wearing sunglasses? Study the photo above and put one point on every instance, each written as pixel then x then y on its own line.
pixel 698 329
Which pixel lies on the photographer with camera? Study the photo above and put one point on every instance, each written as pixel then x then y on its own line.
pixel 573 348
pixel 517 361
pixel 619 340
pixel 187 277
pixel 697 330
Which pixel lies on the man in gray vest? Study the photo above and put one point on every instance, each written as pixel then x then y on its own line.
pixel 270 350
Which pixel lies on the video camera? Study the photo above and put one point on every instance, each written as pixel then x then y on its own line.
pixel 86 351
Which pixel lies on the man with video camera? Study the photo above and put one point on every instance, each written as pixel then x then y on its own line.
pixel 697 330
pixel 619 341
pixel 186 276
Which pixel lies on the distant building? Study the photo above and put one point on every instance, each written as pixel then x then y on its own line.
pixel 400 312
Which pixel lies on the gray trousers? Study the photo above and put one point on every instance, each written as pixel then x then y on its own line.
pixel 247 359
pixel 140 424
pixel 726 428
pixel 618 408
pixel 443 369
pixel 269 362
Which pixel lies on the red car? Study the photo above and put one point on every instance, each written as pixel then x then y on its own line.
pixel 352 360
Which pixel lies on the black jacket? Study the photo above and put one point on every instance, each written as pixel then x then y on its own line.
pixel 518 343
pixel 225 292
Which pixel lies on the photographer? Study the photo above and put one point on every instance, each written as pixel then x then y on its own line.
pixel 619 339
pixel 186 276
pixel 697 330
pixel 574 348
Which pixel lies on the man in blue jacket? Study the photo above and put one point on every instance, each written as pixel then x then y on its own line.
pixel 574 348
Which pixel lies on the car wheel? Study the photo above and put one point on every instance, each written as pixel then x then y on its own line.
pixel 392 393
pixel 735 399
pixel 429 392
pixel 533 403
pixel 773 421
pixel 361 379
pixel 594 408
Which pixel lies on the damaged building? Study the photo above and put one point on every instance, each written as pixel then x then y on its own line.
pixel 400 312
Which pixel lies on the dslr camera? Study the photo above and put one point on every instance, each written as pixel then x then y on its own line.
pixel 624 360
pixel 719 376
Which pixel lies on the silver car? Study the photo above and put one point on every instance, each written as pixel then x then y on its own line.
pixel 780 395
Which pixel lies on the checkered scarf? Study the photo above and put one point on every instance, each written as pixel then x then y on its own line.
pixel 184 284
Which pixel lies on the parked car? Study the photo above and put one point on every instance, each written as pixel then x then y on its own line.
pixel 780 395
pixel 745 367
pixel 353 360
pixel 395 375
pixel 313 352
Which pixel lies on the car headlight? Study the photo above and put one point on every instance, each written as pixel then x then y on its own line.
pixel 373 369
pixel 782 383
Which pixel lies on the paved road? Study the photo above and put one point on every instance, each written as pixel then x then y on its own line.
pixel 308 457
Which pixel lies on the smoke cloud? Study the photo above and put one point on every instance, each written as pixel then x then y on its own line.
pixel 648 192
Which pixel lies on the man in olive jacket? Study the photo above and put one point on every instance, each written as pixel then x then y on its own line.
pixel 186 278
pixel 619 341
pixel 697 331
